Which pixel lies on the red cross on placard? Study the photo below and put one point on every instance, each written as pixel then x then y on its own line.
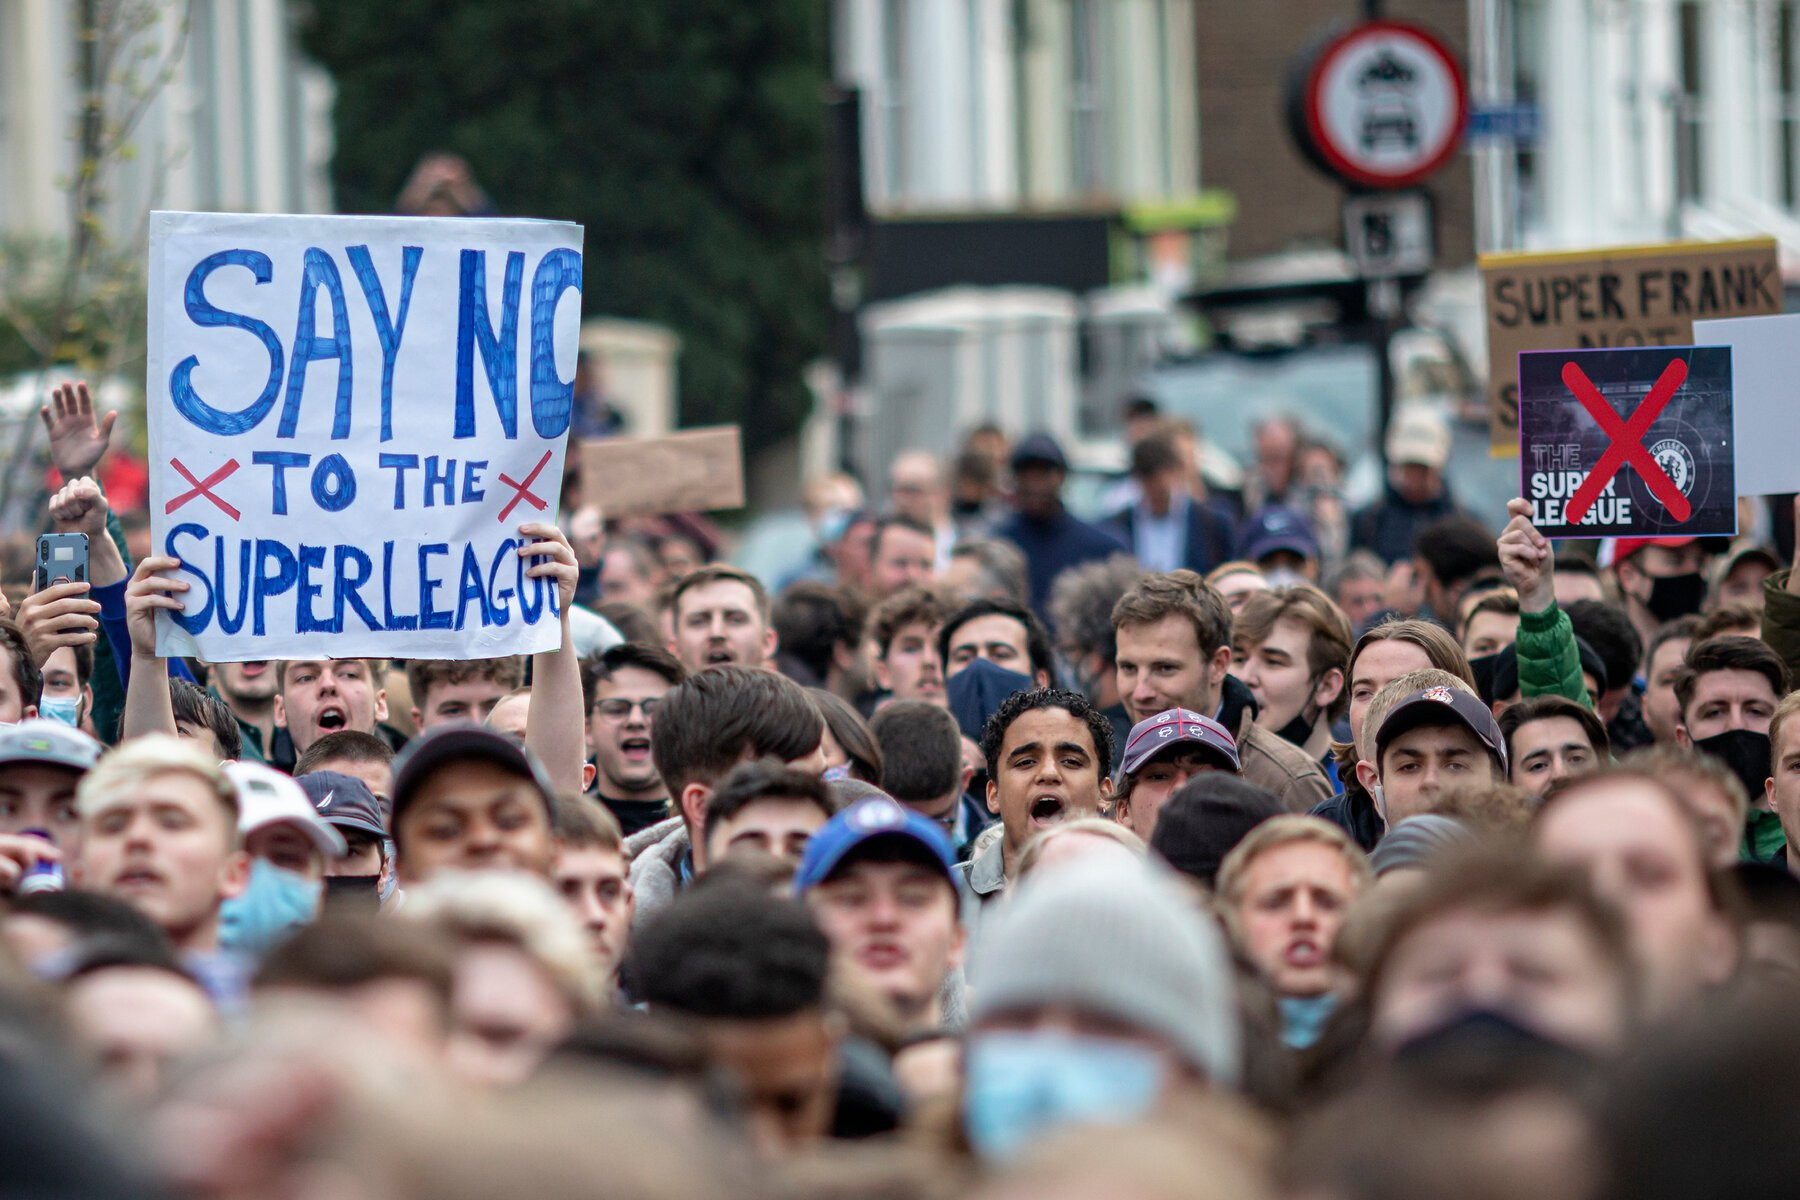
pixel 1627 443
pixel 522 491
pixel 204 487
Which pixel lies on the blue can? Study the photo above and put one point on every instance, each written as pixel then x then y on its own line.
pixel 43 875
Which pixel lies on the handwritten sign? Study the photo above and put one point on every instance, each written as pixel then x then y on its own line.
pixel 349 419
pixel 1628 443
pixel 1623 296
pixel 696 470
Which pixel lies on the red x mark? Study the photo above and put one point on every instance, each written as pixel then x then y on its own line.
pixel 521 491
pixel 203 487
pixel 1627 441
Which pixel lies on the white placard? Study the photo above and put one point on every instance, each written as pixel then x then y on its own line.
pixel 350 418
pixel 1765 370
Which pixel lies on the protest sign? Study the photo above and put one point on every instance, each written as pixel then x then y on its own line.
pixel 350 418
pixel 1623 296
pixel 696 470
pixel 1628 443
pixel 1765 398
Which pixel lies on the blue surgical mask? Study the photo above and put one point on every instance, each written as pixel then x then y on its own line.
pixel 276 903
pixel 65 710
pixel 1020 1085
pixel 1303 1018
pixel 833 774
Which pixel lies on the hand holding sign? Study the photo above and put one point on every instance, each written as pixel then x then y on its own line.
pixel 151 588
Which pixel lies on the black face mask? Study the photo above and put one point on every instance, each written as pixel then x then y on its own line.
pixel 353 891
pixel 1674 596
pixel 1298 729
pixel 1746 753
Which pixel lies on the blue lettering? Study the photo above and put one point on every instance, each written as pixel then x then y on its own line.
pixel 312 558
pixel 394 620
pixel 399 464
pixel 552 399
pixel 473 588
pixel 499 605
pixel 333 483
pixel 430 617
pixel 499 352
pixel 202 313
pixel 320 272
pixel 271 583
pixel 472 490
pixel 345 586
pixel 444 481
pixel 192 622
pixel 388 331
pixel 531 600
pixel 281 460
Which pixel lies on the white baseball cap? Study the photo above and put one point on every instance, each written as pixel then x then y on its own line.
pixel 267 797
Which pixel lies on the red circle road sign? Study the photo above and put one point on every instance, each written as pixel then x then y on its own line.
pixel 1384 104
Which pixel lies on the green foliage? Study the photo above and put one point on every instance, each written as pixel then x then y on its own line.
pixel 686 135
pixel 100 332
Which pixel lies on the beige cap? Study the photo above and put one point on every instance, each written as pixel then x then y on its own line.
pixel 1419 435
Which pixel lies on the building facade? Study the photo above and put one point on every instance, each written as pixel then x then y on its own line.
pixel 242 123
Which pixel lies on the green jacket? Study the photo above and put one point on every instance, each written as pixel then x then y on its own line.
pixel 1781 620
pixel 1549 663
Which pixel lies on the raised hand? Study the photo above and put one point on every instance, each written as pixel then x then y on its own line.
pixel 78 507
pixel 77 441
pixel 1527 559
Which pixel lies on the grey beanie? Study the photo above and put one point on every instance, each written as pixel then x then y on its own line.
pixel 1119 939
pixel 1414 841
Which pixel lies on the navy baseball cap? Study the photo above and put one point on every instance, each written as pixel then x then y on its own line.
pixel 1275 529
pixel 1177 727
pixel 1039 448
pixel 344 801
pixel 463 742
pixel 1443 705
pixel 863 822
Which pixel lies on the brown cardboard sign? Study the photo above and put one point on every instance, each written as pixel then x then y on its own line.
pixel 1615 297
pixel 696 470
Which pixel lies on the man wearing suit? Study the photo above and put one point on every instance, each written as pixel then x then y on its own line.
pixel 1167 528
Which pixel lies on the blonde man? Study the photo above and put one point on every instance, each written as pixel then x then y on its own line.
pixel 1782 792
pixel 1284 892
pixel 159 830
pixel 1077 840
pixel 524 973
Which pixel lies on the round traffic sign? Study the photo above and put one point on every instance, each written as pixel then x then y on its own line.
pixel 1383 104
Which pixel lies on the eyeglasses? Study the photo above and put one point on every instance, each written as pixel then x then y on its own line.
pixel 619 710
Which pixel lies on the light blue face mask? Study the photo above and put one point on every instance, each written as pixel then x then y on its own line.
pixel 65 710
pixel 1303 1018
pixel 1020 1085
pixel 832 774
pixel 275 904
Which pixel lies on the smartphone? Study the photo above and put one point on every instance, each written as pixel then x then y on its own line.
pixel 61 558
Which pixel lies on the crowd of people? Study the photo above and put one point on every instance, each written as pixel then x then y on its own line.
pixel 1238 845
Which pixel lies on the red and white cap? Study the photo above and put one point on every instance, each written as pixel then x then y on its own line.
pixel 1177 727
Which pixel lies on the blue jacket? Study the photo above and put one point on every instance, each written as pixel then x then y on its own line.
pixel 1389 525
pixel 1053 546
pixel 1209 534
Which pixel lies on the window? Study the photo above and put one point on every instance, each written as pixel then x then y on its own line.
pixel 1087 116
pixel 1787 102
pixel 893 98
pixel 1690 102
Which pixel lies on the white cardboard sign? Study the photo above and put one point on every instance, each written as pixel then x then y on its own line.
pixel 1765 369
pixel 350 418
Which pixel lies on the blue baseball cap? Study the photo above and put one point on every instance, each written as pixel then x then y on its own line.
pixel 863 822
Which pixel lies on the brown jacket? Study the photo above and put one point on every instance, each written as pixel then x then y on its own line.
pixel 1277 765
